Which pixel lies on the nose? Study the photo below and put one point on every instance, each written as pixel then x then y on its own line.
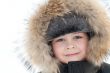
pixel 70 44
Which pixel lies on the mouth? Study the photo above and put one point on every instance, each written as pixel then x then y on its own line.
pixel 72 54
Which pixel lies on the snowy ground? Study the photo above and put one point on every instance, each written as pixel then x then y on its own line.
pixel 14 15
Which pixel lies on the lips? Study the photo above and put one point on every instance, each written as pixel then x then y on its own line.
pixel 72 54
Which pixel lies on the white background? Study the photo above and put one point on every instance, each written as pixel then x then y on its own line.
pixel 14 15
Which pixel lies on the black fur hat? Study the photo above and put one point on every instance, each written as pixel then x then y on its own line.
pixel 68 23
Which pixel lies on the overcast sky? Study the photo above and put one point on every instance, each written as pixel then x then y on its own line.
pixel 14 15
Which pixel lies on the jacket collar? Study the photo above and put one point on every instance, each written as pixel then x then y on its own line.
pixel 79 67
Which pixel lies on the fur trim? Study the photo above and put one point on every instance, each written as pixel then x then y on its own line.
pixel 40 52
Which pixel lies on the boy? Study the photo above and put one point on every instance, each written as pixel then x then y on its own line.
pixel 69 36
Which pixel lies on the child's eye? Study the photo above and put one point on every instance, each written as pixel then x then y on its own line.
pixel 78 37
pixel 59 40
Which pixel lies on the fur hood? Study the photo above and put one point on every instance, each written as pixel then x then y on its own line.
pixel 40 52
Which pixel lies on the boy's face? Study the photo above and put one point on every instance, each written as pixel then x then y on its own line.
pixel 70 47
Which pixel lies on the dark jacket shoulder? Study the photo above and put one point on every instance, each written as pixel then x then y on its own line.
pixel 105 68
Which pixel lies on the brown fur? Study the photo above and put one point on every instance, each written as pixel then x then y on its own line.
pixel 37 48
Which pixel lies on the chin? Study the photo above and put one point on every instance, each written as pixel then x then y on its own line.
pixel 77 59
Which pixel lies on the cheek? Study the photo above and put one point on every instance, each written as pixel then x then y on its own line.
pixel 58 46
pixel 83 46
pixel 57 49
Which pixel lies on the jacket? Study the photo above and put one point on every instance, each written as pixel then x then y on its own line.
pixel 37 48
pixel 84 67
